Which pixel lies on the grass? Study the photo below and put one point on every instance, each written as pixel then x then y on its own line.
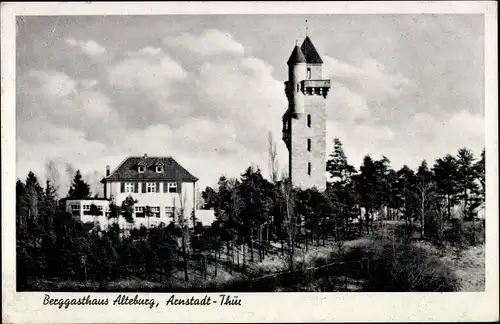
pixel 469 266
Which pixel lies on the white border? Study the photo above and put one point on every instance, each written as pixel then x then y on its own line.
pixel 257 307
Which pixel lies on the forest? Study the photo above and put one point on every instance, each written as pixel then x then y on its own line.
pixel 373 229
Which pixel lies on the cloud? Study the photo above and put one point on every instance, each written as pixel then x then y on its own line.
pixel 210 42
pixel 53 98
pixel 91 48
pixel 89 83
pixel 366 90
pixel 420 137
pixel 143 85
pixel 51 83
pixel 146 69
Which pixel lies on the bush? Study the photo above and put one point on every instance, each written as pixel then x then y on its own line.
pixel 463 234
pixel 405 267
pixel 405 232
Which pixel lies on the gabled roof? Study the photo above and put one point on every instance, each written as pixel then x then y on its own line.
pixel 172 170
pixel 296 57
pixel 310 52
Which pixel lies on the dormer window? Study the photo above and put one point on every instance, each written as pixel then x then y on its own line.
pixel 159 167
pixel 141 167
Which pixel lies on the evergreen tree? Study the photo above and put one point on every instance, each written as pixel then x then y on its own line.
pixel 367 188
pixel 445 177
pixel 79 188
pixel 341 186
pixel 466 180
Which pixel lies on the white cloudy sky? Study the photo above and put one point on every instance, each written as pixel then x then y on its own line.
pixel 206 90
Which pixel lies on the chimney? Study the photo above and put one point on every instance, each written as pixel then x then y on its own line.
pixel 107 171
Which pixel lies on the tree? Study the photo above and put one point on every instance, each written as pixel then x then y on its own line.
pixel 33 198
pixel 405 186
pixel 273 160
pixel 148 213
pixel 127 209
pixel 184 232
pixel 338 167
pixel 52 175
pixel 466 180
pixel 95 212
pixel 79 188
pixel 445 176
pixel 479 193
pixel 367 188
pixel 289 219
pixel 341 185
pixel 424 193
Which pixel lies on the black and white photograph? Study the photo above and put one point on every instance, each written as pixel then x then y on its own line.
pixel 179 154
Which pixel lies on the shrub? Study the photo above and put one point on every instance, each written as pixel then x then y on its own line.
pixel 405 267
pixel 405 232
pixel 454 234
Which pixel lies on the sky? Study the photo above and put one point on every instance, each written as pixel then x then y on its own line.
pixel 207 89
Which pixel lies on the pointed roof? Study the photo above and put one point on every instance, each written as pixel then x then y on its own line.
pixel 296 57
pixel 310 52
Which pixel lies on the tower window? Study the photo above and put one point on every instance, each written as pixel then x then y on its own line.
pixel 309 145
pixel 308 120
pixel 309 73
pixel 297 87
pixel 309 168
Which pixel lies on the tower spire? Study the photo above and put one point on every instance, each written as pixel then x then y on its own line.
pixel 307 27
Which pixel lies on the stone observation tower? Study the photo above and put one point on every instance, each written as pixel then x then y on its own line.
pixel 304 122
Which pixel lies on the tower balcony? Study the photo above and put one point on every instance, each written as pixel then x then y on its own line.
pixel 315 84
pixel 315 87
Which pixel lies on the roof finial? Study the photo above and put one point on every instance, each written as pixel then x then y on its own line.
pixel 296 42
pixel 307 27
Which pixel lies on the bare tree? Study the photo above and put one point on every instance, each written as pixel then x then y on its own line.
pixel 273 160
pixel 184 231
pixel 289 220
pixel 53 175
pixel 424 193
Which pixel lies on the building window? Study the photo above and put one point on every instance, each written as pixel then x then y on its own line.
pixel 159 169
pixel 151 187
pixel 309 145
pixel 172 186
pixel 129 187
pixel 139 211
pixel 169 212
pixel 309 73
pixel 309 121
pixel 155 210
pixel 86 207
pixel 309 168
pixel 141 169
pixel 75 210
pixel 298 87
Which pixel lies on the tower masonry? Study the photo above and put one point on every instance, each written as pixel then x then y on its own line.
pixel 304 122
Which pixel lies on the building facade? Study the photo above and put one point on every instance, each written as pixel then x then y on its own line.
pixel 304 122
pixel 82 209
pixel 159 185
